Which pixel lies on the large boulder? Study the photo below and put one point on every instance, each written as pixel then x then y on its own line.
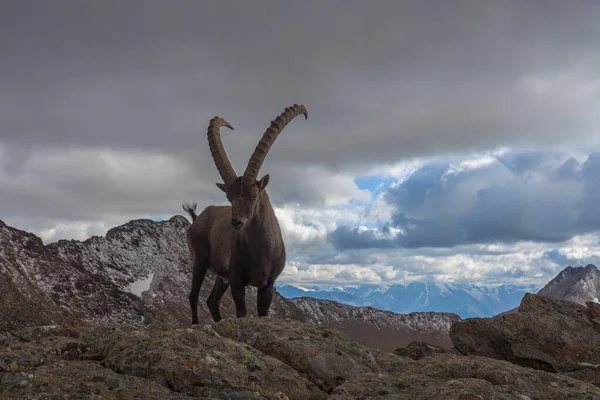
pixel 545 333
pixel 182 362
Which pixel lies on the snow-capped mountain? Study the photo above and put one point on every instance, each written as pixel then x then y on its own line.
pixel 466 300
pixel 578 285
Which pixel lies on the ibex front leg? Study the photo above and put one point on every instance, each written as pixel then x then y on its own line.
pixel 238 292
pixel 238 286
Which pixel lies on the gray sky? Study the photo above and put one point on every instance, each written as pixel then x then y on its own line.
pixel 104 105
pixel 390 78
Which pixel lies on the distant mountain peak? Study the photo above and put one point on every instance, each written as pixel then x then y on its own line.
pixel 145 225
pixel 573 270
pixel 577 284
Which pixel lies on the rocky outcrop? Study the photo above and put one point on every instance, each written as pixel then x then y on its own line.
pixel 250 358
pixel 382 330
pixel 418 350
pixel 579 285
pixel 140 273
pixel 545 334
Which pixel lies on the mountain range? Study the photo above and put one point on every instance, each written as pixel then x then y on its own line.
pixel 577 284
pixel 465 300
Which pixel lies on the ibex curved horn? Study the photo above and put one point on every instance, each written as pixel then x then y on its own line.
pixel 218 151
pixel 261 150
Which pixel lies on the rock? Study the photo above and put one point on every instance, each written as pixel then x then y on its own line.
pixel 252 358
pixel 381 330
pixel 453 377
pixel 193 362
pixel 81 380
pixel 546 333
pixel 418 350
pixel 324 356
pixel 593 309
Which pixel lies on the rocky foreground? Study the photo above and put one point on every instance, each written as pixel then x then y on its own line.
pixel 556 343
pixel 108 318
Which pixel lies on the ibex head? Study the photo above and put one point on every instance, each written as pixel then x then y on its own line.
pixel 244 192
pixel 244 199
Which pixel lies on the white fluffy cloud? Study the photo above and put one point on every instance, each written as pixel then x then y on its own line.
pixel 374 247
pixel 515 196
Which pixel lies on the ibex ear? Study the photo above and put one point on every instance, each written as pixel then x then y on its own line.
pixel 222 187
pixel 263 182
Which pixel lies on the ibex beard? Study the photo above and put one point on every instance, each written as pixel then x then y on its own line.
pixel 240 243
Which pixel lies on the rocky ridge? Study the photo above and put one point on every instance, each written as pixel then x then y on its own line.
pixel 383 330
pixel 140 273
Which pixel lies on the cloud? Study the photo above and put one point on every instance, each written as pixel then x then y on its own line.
pixel 74 192
pixel 104 109
pixel 524 196
pixel 312 187
pixel 581 250
pixel 486 264
pixel 299 273
pixel 83 184
pixel 400 80
pixel 515 264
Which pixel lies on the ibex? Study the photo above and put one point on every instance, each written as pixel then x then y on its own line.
pixel 241 243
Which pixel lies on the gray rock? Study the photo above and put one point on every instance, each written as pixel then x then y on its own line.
pixel 251 358
pixel 455 377
pixel 546 333
pixel 325 356
pixel 418 350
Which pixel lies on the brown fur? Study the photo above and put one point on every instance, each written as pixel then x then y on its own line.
pixel 241 243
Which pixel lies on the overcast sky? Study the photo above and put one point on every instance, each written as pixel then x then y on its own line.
pixel 445 140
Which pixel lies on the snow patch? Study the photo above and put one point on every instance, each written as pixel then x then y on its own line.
pixel 141 285
pixel 596 300
pixel 585 364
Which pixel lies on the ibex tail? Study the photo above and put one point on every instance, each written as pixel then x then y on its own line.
pixel 190 209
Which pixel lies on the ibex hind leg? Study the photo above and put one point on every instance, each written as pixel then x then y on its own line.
pixel 264 298
pixel 199 272
pixel 214 300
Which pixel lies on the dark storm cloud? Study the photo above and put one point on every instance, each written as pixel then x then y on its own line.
pixel 382 82
pixel 379 81
pixel 90 186
pixel 524 196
